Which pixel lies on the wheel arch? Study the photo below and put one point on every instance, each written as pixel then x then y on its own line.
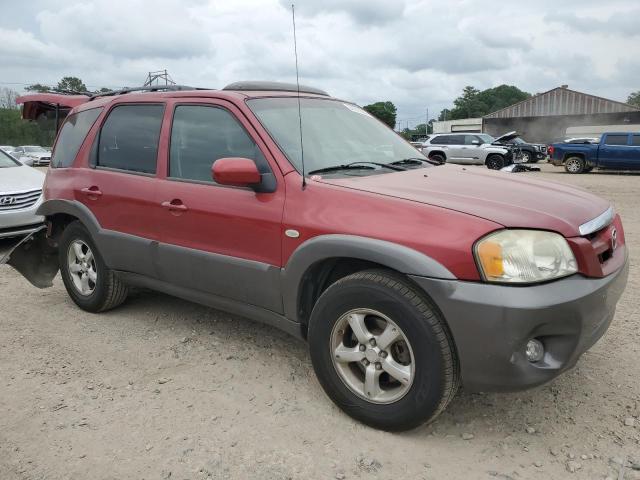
pixel 321 261
pixel 437 152
pixel 62 212
pixel 567 156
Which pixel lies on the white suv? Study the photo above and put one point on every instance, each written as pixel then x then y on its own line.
pixel 466 148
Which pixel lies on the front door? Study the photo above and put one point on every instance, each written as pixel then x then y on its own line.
pixel 218 239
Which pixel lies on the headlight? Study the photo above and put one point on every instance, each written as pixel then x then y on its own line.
pixel 524 256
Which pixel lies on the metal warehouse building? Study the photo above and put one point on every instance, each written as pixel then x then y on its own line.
pixel 561 112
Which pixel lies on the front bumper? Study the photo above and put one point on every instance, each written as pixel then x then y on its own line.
pixel 491 324
pixel 20 221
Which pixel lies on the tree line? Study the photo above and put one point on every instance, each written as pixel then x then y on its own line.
pixel 470 104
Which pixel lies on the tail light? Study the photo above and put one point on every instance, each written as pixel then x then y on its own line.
pixel 550 149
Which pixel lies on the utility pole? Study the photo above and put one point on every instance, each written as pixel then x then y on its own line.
pixel 426 124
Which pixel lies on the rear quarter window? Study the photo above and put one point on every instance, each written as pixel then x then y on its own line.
pixel 72 135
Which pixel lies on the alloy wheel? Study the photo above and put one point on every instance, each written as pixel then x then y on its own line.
pixel 82 267
pixel 573 165
pixel 372 356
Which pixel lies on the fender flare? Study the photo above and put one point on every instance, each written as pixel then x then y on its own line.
pixel 392 255
pixel 73 208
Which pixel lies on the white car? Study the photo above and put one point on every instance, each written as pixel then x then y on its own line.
pixel 32 155
pixel 20 197
pixel 466 148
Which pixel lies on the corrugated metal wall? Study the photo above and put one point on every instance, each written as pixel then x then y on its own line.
pixel 561 101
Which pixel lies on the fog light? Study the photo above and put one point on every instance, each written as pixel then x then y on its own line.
pixel 535 350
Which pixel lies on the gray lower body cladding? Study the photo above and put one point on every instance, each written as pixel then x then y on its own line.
pixel 491 325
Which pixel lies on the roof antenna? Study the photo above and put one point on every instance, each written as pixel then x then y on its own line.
pixel 295 50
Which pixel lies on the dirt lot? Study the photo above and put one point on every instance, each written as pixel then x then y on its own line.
pixel 161 388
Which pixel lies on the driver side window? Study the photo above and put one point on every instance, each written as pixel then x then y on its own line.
pixel 202 134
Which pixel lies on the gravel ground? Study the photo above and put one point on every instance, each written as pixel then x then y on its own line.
pixel 161 388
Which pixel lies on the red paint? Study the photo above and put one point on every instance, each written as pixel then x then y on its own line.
pixel 440 211
pixel 235 171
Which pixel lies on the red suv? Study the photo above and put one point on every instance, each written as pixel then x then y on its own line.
pixel 407 278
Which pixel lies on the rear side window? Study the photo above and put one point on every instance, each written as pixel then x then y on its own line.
pixel 200 135
pixel 616 139
pixel 129 138
pixel 635 141
pixel 72 135
pixel 440 140
pixel 456 140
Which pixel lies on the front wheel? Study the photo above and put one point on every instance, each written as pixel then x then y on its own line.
pixel 495 162
pixel 382 352
pixel 89 282
pixel 574 165
pixel 526 157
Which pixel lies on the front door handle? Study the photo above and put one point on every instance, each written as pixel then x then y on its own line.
pixel 92 192
pixel 175 205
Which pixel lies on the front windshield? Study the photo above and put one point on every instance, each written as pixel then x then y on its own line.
pixel 6 161
pixel 334 133
pixel 485 137
pixel 518 141
pixel 34 149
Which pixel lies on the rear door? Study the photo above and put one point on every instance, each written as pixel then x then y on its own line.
pixel 218 239
pixel 615 151
pixel 120 189
pixel 457 150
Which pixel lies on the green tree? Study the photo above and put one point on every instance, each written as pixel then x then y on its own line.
pixel 71 84
pixel 475 103
pixel 37 87
pixel 445 114
pixel 383 111
pixel 634 99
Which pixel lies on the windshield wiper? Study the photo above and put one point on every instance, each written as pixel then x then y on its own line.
pixel 354 166
pixel 415 161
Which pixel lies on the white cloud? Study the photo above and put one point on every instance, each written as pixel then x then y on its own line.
pixel 416 53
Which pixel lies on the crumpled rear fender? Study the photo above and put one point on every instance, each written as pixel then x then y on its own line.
pixel 32 256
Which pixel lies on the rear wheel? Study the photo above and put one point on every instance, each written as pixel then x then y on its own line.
pixel 495 162
pixel 89 282
pixel 574 165
pixel 382 352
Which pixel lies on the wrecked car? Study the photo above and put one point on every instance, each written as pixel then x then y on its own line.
pixel 407 278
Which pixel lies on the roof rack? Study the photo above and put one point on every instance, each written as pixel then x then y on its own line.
pixel 273 86
pixel 145 88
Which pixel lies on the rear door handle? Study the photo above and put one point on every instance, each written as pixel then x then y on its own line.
pixel 92 191
pixel 175 206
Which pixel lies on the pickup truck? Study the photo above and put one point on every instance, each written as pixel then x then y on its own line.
pixel 616 150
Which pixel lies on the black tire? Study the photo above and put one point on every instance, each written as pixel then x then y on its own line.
pixel 438 157
pixel 108 290
pixel 436 374
pixel 574 165
pixel 495 162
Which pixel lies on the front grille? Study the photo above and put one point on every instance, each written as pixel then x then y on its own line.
pixel 543 148
pixel 15 201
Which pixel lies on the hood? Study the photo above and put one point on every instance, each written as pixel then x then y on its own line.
pixel 20 179
pixel 506 137
pixel 513 201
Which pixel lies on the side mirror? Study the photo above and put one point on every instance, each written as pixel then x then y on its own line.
pixel 238 172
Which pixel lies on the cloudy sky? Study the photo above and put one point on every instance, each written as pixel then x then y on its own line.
pixel 417 53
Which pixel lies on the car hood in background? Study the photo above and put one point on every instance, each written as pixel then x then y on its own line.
pixel 20 179
pixel 506 137
pixel 510 200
